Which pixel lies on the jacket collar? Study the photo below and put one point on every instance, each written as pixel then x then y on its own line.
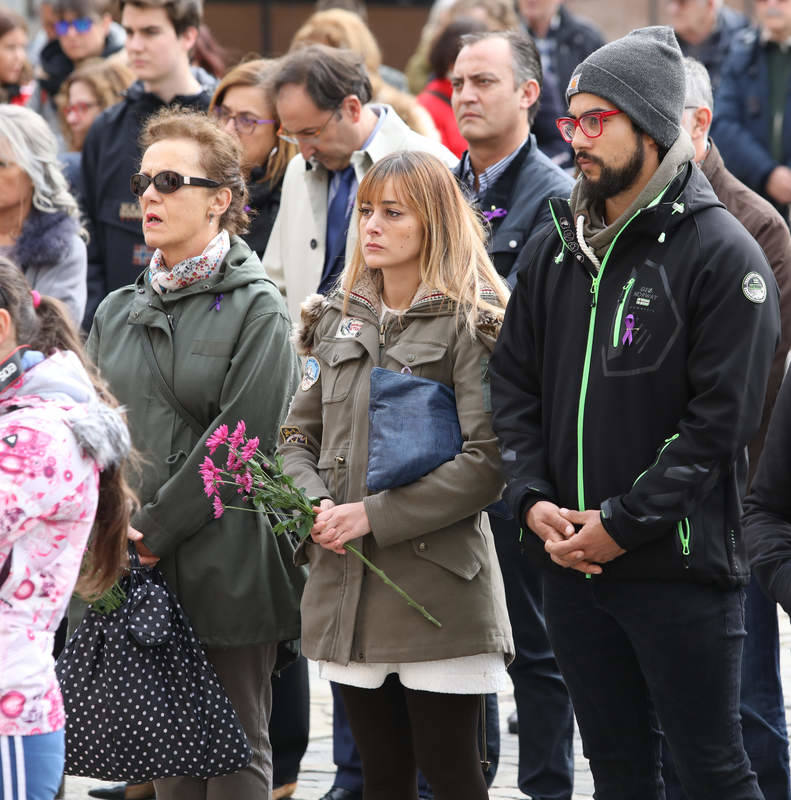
pixel 687 194
pixel 239 267
pixel 367 292
pixel 502 190
pixel 598 234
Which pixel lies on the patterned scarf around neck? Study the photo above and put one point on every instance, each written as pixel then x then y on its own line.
pixel 191 270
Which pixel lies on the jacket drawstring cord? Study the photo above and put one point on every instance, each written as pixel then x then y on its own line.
pixel 584 246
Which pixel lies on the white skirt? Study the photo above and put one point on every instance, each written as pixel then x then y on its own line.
pixel 479 674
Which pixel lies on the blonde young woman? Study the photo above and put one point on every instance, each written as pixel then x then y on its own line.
pixel 419 295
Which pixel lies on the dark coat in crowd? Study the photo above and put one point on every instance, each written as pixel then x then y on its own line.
pixel 264 201
pixel 523 192
pixel 552 106
pixel 767 509
pixel 742 123
pixel 117 251
pixel 663 414
pixel 575 39
pixel 769 229
pixel 713 51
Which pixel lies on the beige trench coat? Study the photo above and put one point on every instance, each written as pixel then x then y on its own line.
pixel 430 536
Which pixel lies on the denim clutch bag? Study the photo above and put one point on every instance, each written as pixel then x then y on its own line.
pixel 413 428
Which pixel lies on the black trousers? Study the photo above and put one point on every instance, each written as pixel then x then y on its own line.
pixel 637 656
pixel 399 730
pixel 546 729
pixel 289 723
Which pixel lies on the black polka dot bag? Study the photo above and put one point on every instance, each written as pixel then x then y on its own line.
pixel 142 702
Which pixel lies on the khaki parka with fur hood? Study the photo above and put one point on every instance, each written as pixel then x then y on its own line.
pixel 430 536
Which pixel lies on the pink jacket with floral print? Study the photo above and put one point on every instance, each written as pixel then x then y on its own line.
pixel 49 482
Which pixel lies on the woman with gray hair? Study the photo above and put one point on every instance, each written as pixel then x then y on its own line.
pixel 40 228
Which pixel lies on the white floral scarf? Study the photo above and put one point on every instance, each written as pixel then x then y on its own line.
pixel 191 270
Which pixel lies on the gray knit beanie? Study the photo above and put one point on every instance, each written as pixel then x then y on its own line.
pixel 642 74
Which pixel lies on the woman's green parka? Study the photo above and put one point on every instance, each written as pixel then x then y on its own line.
pixel 223 345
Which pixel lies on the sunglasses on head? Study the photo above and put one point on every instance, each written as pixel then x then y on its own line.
pixel 81 25
pixel 166 182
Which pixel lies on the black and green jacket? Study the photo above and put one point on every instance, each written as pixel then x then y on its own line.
pixel 634 386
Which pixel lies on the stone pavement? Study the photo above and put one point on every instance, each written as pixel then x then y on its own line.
pixel 318 769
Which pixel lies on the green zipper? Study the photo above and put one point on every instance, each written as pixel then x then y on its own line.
pixel 589 344
pixel 684 535
pixel 619 315
pixel 658 456
pixel 587 364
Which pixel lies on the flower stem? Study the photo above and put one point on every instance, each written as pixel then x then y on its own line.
pixel 352 549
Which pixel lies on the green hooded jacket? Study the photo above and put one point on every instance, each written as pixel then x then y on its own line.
pixel 223 345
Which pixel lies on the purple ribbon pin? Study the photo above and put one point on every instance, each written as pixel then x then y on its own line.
pixel 215 304
pixel 627 337
pixel 495 213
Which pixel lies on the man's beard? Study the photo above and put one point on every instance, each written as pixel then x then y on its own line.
pixel 612 180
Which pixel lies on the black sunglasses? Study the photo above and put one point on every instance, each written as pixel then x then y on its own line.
pixel 166 182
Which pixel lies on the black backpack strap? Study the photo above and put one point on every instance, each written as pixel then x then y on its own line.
pixel 439 95
pixel 164 387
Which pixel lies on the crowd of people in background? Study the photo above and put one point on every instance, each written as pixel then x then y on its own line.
pixel 586 242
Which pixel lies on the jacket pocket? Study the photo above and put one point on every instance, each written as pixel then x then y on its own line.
pixel 341 362
pixel 333 471
pixel 460 549
pixel 412 355
pixel 645 323
pixel 209 347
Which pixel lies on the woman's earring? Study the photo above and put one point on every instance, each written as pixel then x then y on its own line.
pixel 211 218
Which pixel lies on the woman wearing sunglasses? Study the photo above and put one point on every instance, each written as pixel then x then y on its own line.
pixel 242 106
pixel 201 340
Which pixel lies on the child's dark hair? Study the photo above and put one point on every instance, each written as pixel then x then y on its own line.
pixel 48 328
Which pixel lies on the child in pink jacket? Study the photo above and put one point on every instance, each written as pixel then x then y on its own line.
pixel 59 441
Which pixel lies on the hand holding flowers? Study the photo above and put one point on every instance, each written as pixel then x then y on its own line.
pixel 336 525
pixel 267 489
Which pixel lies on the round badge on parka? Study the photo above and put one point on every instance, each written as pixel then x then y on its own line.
pixel 754 287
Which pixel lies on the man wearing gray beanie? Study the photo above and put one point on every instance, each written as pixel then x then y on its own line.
pixel 627 379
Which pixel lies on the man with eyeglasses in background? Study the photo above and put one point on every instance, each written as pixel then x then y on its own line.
pixel 160 35
pixel 83 29
pixel 322 96
pixel 753 123
pixel 627 380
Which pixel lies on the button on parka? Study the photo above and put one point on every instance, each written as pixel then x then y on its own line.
pixel 429 536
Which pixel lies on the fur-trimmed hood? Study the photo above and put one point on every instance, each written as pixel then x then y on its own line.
pixel 61 381
pixel 44 238
pixel 311 311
